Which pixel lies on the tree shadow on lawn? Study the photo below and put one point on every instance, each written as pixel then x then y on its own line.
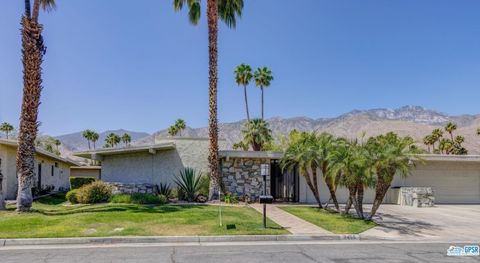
pixel 107 208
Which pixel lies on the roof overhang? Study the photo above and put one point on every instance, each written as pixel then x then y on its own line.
pixel 100 154
pixel 449 158
pixel 250 154
pixel 40 152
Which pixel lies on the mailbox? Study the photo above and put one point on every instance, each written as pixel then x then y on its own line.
pixel 266 199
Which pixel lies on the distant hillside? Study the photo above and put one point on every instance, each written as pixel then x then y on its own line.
pixel 409 120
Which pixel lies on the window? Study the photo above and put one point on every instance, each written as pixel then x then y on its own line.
pixel 53 170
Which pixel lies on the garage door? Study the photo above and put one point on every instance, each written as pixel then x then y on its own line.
pixel 451 185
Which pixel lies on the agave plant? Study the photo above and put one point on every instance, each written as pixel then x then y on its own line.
pixel 164 189
pixel 189 182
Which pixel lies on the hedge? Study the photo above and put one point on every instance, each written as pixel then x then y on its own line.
pixel 77 182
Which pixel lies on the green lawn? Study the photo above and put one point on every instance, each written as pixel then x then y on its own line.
pixel 331 221
pixel 52 217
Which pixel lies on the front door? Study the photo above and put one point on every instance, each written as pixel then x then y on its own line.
pixel 284 184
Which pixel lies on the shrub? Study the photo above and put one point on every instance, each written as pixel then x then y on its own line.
pixel 96 192
pixel 139 199
pixel 77 182
pixel 189 182
pixel 230 198
pixel 164 189
pixel 204 187
pixel 71 196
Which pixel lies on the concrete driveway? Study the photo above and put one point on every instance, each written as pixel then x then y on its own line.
pixel 439 223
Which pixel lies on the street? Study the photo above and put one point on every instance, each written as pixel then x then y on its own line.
pixel 332 251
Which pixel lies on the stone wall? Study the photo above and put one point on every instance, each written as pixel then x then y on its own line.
pixel 416 196
pixel 121 188
pixel 241 176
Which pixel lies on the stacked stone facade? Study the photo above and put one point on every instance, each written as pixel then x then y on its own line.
pixel 242 176
pixel 417 196
pixel 121 188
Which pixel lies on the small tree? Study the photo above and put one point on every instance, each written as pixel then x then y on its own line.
pixel 112 140
pixel 180 125
pixel 172 131
pixel 126 139
pixel 6 128
pixel 87 134
pixel 257 134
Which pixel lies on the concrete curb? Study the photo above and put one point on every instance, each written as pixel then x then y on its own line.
pixel 170 239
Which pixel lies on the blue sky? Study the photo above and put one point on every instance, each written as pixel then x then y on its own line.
pixel 115 64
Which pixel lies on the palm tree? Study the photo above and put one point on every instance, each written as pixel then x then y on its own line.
pixel 112 140
pixel 302 154
pixel 478 131
pixel 126 139
pixel 6 128
pixel 172 130
pixel 263 77
pixel 257 133
pixel 243 75
pixel 324 145
pixel 227 11
pixel 94 138
pixel 437 134
pixel 450 127
pixel 57 143
pixel 88 134
pixel 427 140
pixel 180 125
pixel 33 50
pixel 390 154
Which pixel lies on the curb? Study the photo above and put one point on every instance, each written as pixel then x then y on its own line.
pixel 170 239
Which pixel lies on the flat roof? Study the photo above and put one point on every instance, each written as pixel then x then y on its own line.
pixel 86 167
pixel 39 151
pixel 450 158
pixel 125 150
pixel 250 154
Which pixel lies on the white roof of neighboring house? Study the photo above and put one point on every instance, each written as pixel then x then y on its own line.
pixel 90 167
pixel 39 151
pixel 450 158
pixel 250 154
pixel 124 150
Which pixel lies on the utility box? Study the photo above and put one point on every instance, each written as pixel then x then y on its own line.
pixel 266 199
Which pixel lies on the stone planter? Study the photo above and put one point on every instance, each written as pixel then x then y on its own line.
pixel 121 188
pixel 417 196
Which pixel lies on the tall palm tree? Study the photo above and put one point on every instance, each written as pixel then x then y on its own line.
pixel 126 139
pixel 88 134
pixel 257 134
pixel 112 140
pixel 243 75
pixel 227 11
pixel 390 155
pixel 180 125
pixel 263 77
pixel 302 154
pixel 57 143
pixel 172 130
pixel 450 128
pixel 6 128
pixel 437 135
pixel 33 50
pixel 94 138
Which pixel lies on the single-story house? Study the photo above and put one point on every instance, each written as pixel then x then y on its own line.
pixel 454 179
pixel 86 171
pixel 50 170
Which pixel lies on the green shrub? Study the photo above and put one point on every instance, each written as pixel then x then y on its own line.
pixel 77 182
pixel 139 199
pixel 164 189
pixel 96 192
pixel 204 185
pixel 189 182
pixel 71 196
pixel 230 198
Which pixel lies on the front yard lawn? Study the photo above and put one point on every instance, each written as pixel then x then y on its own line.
pixel 52 217
pixel 331 221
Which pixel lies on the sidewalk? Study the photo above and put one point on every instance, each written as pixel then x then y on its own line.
pixel 293 224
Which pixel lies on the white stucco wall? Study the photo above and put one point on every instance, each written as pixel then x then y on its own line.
pixel 160 167
pixel 60 178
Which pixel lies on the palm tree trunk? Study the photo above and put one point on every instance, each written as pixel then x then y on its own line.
pixel 32 51
pixel 212 14
pixel 360 192
pixel 348 205
pixel 28 11
pixel 2 199
pixel 380 190
pixel 353 196
pixel 314 186
pixel 6 133
pixel 246 102
pixel 331 189
pixel 36 10
pixel 262 103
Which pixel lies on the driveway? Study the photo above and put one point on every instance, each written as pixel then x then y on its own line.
pixel 442 223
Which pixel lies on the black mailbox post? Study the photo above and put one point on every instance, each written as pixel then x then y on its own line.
pixel 265 199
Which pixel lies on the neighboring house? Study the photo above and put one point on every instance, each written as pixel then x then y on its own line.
pixel 86 171
pixel 454 179
pixel 50 170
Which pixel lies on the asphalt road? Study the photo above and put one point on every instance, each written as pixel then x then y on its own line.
pixel 341 252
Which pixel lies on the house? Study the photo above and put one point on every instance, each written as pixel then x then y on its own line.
pixel 50 170
pixel 86 171
pixel 454 179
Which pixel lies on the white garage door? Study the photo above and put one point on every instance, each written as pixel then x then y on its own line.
pixel 451 185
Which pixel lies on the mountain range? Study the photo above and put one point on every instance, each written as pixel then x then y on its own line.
pixel 415 121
